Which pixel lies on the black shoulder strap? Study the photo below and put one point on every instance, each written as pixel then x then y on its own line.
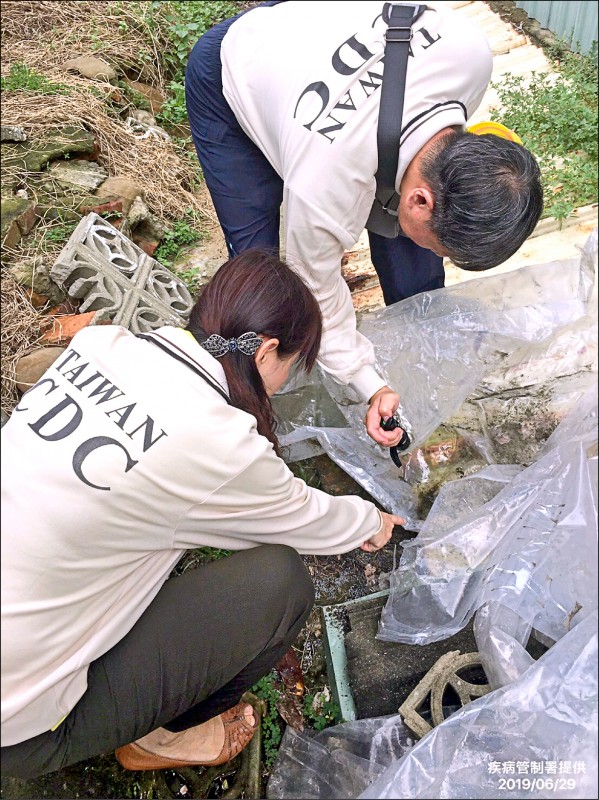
pixel 193 367
pixel 400 18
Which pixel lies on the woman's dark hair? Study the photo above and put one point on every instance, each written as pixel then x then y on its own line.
pixel 258 292
pixel 488 197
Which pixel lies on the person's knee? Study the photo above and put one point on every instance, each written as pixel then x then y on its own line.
pixel 288 576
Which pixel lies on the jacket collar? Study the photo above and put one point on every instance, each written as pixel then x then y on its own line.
pixel 183 344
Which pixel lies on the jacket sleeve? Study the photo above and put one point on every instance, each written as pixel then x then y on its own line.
pixel 314 246
pixel 264 503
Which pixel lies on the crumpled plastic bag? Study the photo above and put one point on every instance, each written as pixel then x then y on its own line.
pixel 513 332
pixel 532 547
pixel 535 737
pixel 338 762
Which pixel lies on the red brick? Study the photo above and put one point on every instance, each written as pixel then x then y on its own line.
pixel 149 246
pixel 65 327
pixel 106 207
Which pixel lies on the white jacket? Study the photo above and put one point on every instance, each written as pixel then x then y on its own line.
pixel 118 460
pixel 303 79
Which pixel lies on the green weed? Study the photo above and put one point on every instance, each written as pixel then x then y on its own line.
pixel 133 96
pixel 173 111
pixel 272 731
pixel 180 235
pixel 556 118
pixel 23 79
pixel 184 23
pixel 320 710
pixel 213 553
pixel 191 278
pixel 306 471
pixel 60 233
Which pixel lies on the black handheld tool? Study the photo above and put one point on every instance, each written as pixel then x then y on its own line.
pixel 390 425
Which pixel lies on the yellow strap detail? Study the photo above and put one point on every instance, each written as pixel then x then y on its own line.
pixel 60 721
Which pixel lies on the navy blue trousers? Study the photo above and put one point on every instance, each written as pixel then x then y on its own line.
pixel 247 192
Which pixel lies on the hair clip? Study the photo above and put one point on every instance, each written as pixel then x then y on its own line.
pixel 247 344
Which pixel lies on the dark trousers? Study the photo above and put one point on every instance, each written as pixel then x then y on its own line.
pixel 247 192
pixel 207 637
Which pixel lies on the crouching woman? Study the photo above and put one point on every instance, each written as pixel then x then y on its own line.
pixel 129 451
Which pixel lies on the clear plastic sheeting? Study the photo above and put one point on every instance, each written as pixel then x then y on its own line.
pixel 339 762
pixel 499 386
pixel 536 737
pixel 531 548
pixel 478 357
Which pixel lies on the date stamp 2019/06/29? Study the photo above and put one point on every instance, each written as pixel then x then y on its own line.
pixel 531 776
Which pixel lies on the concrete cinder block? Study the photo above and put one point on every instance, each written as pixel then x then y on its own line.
pixel 107 272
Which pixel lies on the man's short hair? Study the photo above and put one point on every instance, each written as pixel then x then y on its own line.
pixel 488 197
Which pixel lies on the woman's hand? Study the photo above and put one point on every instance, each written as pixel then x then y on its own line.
pixel 381 538
pixel 383 404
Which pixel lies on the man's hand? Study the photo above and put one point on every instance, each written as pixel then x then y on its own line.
pixel 383 405
pixel 381 538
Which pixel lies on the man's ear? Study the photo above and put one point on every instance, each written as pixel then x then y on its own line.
pixel 268 346
pixel 420 203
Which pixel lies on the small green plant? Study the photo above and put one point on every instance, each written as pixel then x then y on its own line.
pixel 191 278
pixel 198 557
pixel 186 22
pixel 174 110
pixel 320 710
pixel 556 118
pixel 272 731
pixel 180 235
pixel 133 96
pixel 306 471
pixel 23 79
pixel 212 553
pixel 60 233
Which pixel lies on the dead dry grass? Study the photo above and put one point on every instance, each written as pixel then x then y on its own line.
pixel 20 333
pixel 164 173
pixel 44 34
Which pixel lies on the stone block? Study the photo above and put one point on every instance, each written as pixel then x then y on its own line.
pixel 90 67
pixel 78 174
pixel 33 274
pixel 105 206
pixel 149 246
pixel 30 368
pixel 70 208
pixel 33 155
pixel 11 235
pixel 109 273
pixel 17 218
pixel 124 188
pixel 154 97
pixel 12 133
pixel 445 674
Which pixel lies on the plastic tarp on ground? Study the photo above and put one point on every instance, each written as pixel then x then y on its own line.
pixel 486 353
pixel 536 737
pixel 513 543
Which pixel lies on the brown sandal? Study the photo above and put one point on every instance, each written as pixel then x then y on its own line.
pixel 238 733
